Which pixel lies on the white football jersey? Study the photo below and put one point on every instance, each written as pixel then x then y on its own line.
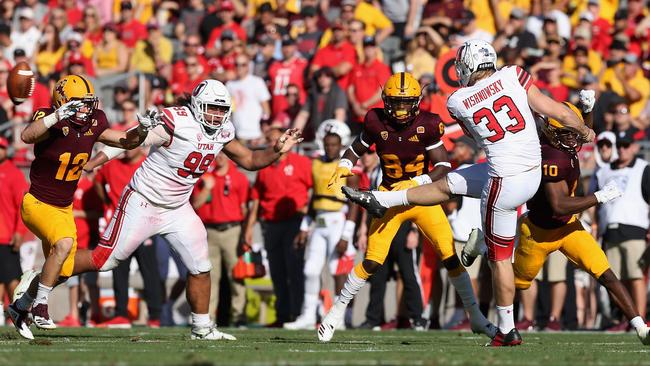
pixel 496 113
pixel 167 176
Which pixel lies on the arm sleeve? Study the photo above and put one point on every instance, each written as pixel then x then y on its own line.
pixel 366 136
pixel 156 137
pixel 645 184
pixel 523 77
pixel 433 137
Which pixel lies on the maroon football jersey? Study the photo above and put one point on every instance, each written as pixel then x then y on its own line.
pixel 60 158
pixel 557 165
pixel 402 149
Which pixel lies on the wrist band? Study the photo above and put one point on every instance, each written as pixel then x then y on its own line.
pixel 423 179
pixel 305 223
pixel 348 231
pixel 346 163
pixel 50 120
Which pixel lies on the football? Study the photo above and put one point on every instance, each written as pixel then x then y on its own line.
pixel 20 83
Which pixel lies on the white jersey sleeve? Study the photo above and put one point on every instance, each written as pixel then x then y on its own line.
pixel 167 176
pixel 496 113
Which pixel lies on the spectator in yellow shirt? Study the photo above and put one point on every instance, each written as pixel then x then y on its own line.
pixel 582 40
pixel 626 79
pixel 151 53
pixel 377 24
pixel 49 51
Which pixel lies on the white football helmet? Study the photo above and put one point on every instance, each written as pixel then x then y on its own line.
pixel 333 126
pixel 211 93
pixel 472 56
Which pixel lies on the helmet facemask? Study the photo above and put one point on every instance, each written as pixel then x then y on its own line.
pixel 402 109
pixel 562 138
pixel 82 115
pixel 211 115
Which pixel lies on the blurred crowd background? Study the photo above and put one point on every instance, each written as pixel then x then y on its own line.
pixel 299 63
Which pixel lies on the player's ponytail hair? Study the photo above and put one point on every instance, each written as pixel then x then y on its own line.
pixel 184 100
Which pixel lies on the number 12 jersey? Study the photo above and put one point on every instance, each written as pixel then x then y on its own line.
pixel 496 113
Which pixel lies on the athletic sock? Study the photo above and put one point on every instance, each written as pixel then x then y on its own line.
pixel 351 288
pixel 463 286
pixel 637 322
pixel 310 303
pixel 43 294
pixel 505 318
pixel 391 198
pixel 24 302
pixel 201 320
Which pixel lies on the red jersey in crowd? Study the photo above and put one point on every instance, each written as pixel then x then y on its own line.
pixel 367 79
pixel 131 32
pixel 283 73
pixel 114 176
pixel 215 35
pixel 332 55
pixel 12 189
pixel 229 193
pixel 282 187
pixel 86 199
pixel 179 72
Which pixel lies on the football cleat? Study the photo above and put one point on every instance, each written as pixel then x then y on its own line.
pixel 20 318
pixel 332 321
pixel 474 247
pixel 41 317
pixel 302 322
pixel 210 334
pixel 644 335
pixel 366 200
pixel 513 338
pixel 118 322
pixel 25 280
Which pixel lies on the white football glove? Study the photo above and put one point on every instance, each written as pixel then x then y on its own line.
pixel 68 109
pixel 587 100
pixel 610 192
pixel 150 120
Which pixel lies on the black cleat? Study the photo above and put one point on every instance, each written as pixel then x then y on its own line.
pixel 513 338
pixel 366 200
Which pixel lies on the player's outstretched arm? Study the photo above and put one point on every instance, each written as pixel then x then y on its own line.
pixel 133 137
pixel 546 106
pixel 38 130
pixel 258 159
pixel 347 162
pixel 563 203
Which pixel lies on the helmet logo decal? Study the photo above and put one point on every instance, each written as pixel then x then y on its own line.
pixel 199 88
pixel 60 88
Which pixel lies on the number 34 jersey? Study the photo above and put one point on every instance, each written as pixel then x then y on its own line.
pixel 59 159
pixel 402 149
pixel 167 176
pixel 496 113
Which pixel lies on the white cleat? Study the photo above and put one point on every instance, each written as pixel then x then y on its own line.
pixel 301 323
pixel 644 335
pixel 41 317
pixel 332 321
pixel 20 318
pixel 210 334
pixel 25 280
pixel 474 247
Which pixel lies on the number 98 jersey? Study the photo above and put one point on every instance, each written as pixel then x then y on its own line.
pixel 496 113
pixel 402 149
pixel 167 176
pixel 59 159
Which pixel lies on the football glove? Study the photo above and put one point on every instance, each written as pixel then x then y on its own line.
pixel 610 192
pixel 343 170
pixel 150 120
pixel 404 184
pixel 68 109
pixel 587 100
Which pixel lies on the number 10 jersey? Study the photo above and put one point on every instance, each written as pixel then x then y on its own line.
pixel 167 176
pixel 496 113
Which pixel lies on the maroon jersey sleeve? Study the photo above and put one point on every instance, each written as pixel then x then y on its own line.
pixel 433 130
pixel 371 128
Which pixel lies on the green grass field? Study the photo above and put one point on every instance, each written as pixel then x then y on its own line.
pixel 172 346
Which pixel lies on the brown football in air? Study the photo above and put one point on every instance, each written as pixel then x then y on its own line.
pixel 20 83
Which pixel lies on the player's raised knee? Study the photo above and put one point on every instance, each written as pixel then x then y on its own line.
pixel 63 246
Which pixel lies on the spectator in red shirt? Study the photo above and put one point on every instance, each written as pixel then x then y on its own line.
pixel 227 15
pixel 340 55
pixel 12 188
pixel 286 116
pixel 223 64
pixel 195 74
pixel 191 48
pixel 221 201
pixel 73 56
pixel 72 14
pixel 110 181
pixel 280 197
pixel 289 70
pixel 600 28
pixel 366 80
pixel 130 29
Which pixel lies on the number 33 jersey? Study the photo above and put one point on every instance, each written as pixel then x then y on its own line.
pixel 496 113
pixel 167 176
pixel 59 159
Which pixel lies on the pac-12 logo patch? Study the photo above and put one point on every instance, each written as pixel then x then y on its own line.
pixel 384 135
pixel 420 129
pixel 65 130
